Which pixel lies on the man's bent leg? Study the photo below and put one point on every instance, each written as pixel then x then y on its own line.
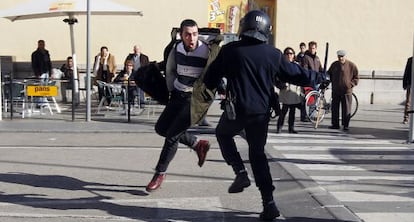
pixel 225 131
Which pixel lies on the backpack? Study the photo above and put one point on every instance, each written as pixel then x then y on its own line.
pixel 151 78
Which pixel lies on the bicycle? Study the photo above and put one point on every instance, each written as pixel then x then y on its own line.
pixel 317 107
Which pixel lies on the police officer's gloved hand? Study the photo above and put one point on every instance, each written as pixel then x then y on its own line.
pixel 324 84
pixel 322 77
pixel 322 80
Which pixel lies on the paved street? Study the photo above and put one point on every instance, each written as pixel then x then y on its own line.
pixel 369 170
pixel 53 169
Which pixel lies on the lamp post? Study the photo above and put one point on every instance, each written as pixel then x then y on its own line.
pixel 75 77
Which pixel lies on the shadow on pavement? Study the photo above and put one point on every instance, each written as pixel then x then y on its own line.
pixel 111 206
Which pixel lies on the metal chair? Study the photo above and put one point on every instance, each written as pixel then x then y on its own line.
pixel 14 93
pixel 113 93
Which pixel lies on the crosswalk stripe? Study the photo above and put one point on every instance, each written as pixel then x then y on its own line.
pixel 352 196
pixel 347 157
pixel 326 148
pixel 325 141
pixel 313 136
pixel 380 217
pixel 329 167
pixel 355 178
pixel 340 167
pixel 357 172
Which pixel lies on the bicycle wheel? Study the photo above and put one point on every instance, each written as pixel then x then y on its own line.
pixel 315 106
pixel 355 105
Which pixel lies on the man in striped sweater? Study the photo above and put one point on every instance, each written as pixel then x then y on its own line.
pixel 185 64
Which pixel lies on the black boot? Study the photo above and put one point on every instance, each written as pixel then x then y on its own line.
pixel 270 211
pixel 240 182
pixel 291 130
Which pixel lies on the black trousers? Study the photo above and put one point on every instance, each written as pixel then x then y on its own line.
pixel 173 124
pixel 256 128
pixel 345 102
pixel 291 120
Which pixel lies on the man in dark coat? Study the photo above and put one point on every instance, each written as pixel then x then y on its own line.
pixel 407 86
pixel 140 60
pixel 344 76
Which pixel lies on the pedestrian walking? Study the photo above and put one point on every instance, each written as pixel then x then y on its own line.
pixel 250 66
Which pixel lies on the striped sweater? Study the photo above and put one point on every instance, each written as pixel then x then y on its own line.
pixel 190 65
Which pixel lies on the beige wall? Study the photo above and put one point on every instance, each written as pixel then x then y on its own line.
pixel 378 34
pixel 119 33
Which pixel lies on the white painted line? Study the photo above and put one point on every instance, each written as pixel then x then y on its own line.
pixel 206 207
pixel 33 215
pixel 388 216
pixel 117 201
pixel 356 178
pixel 314 136
pixel 348 157
pixel 180 148
pixel 326 148
pixel 330 167
pixel 326 141
pixel 79 148
pixel 339 167
pixel 352 196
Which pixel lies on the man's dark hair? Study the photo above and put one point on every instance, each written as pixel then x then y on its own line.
pixel 104 47
pixel 69 57
pixel 187 23
pixel 311 43
pixel 302 44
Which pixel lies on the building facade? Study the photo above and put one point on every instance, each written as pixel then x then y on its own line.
pixel 377 34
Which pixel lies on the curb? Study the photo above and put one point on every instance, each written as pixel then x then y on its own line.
pixel 327 201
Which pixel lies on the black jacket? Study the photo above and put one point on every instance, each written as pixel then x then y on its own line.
pixel 250 67
pixel 143 59
pixel 407 73
pixel 41 62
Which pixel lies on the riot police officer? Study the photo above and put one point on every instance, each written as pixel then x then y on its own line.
pixel 250 66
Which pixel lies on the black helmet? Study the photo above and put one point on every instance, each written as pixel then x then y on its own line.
pixel 256 24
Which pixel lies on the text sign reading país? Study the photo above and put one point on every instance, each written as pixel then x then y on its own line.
pixel 42 90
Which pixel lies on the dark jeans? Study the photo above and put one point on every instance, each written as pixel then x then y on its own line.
pixel 291 120
pixel 256 127
pixel 345 101
pixel 173 124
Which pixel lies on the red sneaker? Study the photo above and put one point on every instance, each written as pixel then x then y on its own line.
pixel 202 148
pixel 156 181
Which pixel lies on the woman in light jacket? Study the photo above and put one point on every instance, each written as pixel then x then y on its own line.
pixel 289 96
